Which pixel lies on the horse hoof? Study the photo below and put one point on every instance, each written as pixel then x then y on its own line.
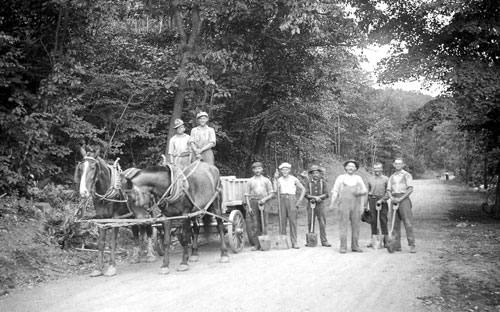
pixel 193 259
pixel 183 268
pixel 111 271
pixel 224 259
pixel 96 273
pixel 164 271
pixel 150 259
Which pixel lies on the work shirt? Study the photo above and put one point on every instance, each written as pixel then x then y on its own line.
pixel 377 186
pixel 317 188
pixel 201 136
pixel 258 187
pixel 178 145
pixel 288 185
pixel 347 180
pixel 399 182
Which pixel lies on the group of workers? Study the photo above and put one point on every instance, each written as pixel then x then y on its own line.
pixel 349 195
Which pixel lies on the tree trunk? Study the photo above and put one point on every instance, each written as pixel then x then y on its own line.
pixel 186 48
pixel 496 208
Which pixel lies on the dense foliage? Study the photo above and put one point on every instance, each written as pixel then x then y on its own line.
pixel 280 80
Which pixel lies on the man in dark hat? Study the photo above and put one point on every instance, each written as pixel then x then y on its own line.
pixel 203 139
pixel 349 188
pixel 259 191
pixel 317 192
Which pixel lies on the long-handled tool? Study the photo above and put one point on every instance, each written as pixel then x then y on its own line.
pixel 264 241
pixel 311 237
pixel 392 243
pixel 377 240
pixel 281 240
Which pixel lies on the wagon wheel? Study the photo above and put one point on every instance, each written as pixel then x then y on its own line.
pixel 236 230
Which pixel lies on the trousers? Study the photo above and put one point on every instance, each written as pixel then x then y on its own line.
pixel 404 214
pixel 372 201
pixel 350 212
pixel 257 228
pixel 289 212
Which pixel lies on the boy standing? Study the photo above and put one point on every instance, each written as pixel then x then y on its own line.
pixel 288 185
pixel 317 192
pixel 203 139
pixel 259 191
pixel 178 147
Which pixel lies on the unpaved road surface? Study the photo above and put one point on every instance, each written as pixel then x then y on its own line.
pixel 308 279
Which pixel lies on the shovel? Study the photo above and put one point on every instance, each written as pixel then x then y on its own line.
pixel 392 244
pixel 281 240
pixel 377 241
pixel 264 241
pixel 311 237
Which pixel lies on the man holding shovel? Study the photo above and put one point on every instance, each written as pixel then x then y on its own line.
pixel 259 191
pixel 399 187
pixel 377 200
pixel 317 192
pixel 350 189
pixel 288 185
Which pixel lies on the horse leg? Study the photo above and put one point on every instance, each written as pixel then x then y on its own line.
pixel 150 256
pixel 167 227
pixel 224 257
pixel 194 249
pixel 100 254
pixel 184 240
pixel 111 270
pixel 136 257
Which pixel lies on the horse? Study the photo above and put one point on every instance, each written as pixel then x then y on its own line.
pixel 179 193
pixel 94 177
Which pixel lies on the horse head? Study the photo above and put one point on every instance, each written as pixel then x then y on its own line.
pixel 88 172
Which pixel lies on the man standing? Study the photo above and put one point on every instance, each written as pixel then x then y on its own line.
pixel 317 192
pixel 349 188
pixel 203 139
pixel 377 200
pixel 399 187
pixel 178 147
pixel 259 191
pixel 288 185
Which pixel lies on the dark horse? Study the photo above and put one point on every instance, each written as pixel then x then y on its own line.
pixel 94 177
pixel 202 189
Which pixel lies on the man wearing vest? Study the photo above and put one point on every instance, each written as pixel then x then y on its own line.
pixel 399 187
pixel 288 185
pixel 317 191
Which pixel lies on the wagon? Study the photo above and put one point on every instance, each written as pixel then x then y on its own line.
pixel 233 201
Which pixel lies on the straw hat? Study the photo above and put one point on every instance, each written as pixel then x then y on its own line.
pixel 177 123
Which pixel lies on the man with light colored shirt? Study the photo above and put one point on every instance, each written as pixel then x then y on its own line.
pixel 377 200
pixel 203 139
pixel 349 188
pixel 178 147
pixel 288 185
pixel 259 191
pixel 399 187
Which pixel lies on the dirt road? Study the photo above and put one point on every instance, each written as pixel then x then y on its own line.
pixel 308 279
